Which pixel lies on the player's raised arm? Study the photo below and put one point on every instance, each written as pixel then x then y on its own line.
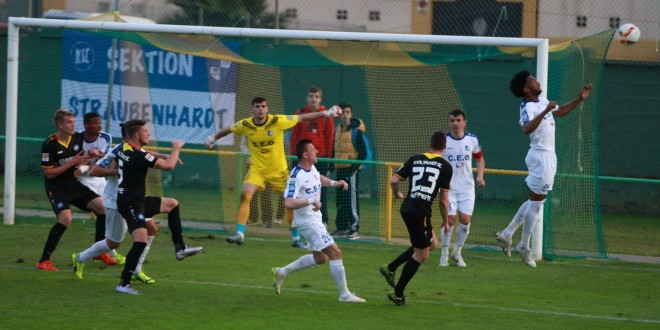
pixel 564 109
pixel 210 140
pixel 171 161
pixel 334 111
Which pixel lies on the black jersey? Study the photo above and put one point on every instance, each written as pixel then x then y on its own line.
pixel 430 173
pixel 132 167
pixel 55 153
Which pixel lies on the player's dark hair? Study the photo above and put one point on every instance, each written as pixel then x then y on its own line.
pixel 89 116
pixel 457 112
pixel 123 130
pixel 518 83
pixel 59 115
pixel 345 105
pixel 258 100
pixel 438 140
pixel 301 147
pixel 314 89
pixel 133 126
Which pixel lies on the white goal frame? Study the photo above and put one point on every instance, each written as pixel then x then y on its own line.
pixel 15 23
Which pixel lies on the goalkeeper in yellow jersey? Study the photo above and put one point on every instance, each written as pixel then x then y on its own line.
pixel 265 136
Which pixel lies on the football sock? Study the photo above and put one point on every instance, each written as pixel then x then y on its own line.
pixel 138 268
pixel 99 233
pixel 244 209
pixel 532 215
pixel 461 235
pixel 301 263
pixel 401 259
pixel 131 262
pixel 517 220
pixel 445 239
pixel 409 270
pixel 95 250
pixel 295 234
pixel 54 236
pixel 339 275
pixel 174 223
pixel 240 228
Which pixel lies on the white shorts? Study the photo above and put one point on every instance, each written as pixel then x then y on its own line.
pixel 95 184
pixel 316 234
pixel 461 202
pixel 542 167
pixel 115 226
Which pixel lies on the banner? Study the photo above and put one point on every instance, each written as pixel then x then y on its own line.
pixel 180 96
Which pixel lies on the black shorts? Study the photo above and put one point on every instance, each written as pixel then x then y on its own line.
pixel 419 229
pixel 151 206
pixel 62 197
pixel 135 213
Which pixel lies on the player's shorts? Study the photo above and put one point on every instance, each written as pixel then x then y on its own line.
pixel 461 202
pixel 62 197
pixel 277 179
pixel 115 226
pixel 316 234
pixel 419 229
pixel 95 184
pixel 137 213
pixel 151 206
pixel 542 167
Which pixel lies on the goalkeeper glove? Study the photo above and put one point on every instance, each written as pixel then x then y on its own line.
pixel 210 142
pixel 335 111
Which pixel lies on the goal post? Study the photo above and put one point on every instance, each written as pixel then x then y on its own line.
pixel 373 70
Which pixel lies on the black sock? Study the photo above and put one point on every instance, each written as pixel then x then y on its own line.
pixel 409 270
pixel 54 236
pixel 99 235
pixel 174 223
pixel 401 259
pixel 132 259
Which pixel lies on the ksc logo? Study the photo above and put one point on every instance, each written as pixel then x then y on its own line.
pixel 83 56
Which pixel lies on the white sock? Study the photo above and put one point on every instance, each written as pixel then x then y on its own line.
pixel 138 268
pixel 339 275
pixel 445 239
pixel 517 220
pixel 301 263
pixel 461 235
pixel 532 215
pixel 95 250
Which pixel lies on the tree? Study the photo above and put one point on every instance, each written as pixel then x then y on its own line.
pixel 230 13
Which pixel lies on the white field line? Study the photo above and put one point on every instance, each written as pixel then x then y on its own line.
pixel 382 297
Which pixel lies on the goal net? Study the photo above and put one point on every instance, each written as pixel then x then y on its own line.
pixel 188 82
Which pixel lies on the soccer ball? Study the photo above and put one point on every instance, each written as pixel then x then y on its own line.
pixel 627 34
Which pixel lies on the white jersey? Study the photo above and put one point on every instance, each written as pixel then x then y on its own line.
pixel 112 184
pixel 459 154
pixel 543 137
pixel 102 143
pixel 303 184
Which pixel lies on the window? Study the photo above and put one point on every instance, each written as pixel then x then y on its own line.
pixel 291 13
pixel 104 7
pixel 374 15
pixel 138 9
pixel 615 22
pixel 342 14
pixel 582 21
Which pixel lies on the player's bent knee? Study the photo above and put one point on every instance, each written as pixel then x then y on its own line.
pixel 320 258
pixel 152 228
pixel 112 244
pixel 167 204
